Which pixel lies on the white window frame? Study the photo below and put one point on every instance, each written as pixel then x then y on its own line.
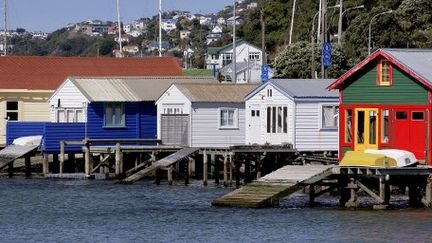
pixel 235 118
pixel 65 112
pixel 17 111
pixel 123 119
pixel 254 56
pixel 336 116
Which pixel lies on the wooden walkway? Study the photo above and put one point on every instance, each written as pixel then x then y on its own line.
pixel 160 164
pixel 12 152
pixel 268 190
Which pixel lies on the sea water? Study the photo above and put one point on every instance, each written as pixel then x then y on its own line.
pixel 40 210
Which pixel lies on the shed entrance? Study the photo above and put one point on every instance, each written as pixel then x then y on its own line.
pixel 254 126
pixel 410 131
pixel 175 129
pixel 366 129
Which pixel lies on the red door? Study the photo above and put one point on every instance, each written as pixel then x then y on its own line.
pixel 410 131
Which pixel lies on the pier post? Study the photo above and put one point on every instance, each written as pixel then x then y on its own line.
pixel 62 157
pixel 428 196
pixel 205 168
pixel 237 172
pixel 414 195
pixel 45 164
pixel 11 169
pixel 158 176
pixel 87 169
pixel 247 177
pixel 118 160
pixel 384 189
pixel 27 162
pixel 352 202
pixel 258 165
pixel 170 175
pixel 311 195
pixel 188 165
pixel 55 163
pixel 215 163
pixel 230 164
pixel 225 169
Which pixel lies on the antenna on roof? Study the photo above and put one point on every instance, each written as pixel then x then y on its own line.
pixel 119 29
pixel 5 28
pixel 160 28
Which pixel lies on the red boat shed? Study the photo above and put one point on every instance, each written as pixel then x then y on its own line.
pixel 385 102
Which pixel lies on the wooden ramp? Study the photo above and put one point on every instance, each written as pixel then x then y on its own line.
pixel 268 190
pixel 162 163
pixel 12 152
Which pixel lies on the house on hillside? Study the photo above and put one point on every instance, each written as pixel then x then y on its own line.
pixel 385 103
pixel 301 112
pixel 246 72
pixel 102 107
pixel 203 115
pixel 26 83
pixel 168 24
pixel 238 20
pixel 219 57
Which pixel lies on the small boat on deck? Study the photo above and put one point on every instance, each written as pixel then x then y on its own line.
pixel 387 158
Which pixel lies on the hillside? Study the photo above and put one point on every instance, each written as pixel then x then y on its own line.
pixel 410 25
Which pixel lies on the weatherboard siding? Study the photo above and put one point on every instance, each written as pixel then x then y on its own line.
pixel 69 96
pixel 278 99
pixel 171 98
pixel 309 134
pixel 205 126
pixel 362 89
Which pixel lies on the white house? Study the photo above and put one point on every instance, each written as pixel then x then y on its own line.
pixel 238 20
pixel 203 115
pixel 169 24
pixel 218 57
pixel 301 112
pixel 221 21
pixel 247 72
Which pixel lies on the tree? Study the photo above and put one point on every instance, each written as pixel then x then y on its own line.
pixel 295 61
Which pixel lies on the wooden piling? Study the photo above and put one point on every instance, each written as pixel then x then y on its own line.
pixel 427 201
pixel 205 168
pixel 118 160
pixel 27 161
pixel 215 163
pixel 170 175
pixel 158 176
pixel 62 157
pixel 384 189
pixel 45 164
pixel 11 169
pixel 312 195
pixel 87 169
pixel 225 169
pixel 247 176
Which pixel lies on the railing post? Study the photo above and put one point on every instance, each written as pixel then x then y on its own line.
pixel 45 164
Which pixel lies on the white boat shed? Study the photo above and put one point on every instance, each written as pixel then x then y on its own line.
pixel 203 115
pixel 301 112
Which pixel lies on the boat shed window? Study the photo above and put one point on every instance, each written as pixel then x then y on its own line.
pixel 228 118
pixel 277 119
pixel 384 73
pixel 329 116
pixel 114 115
pixel 12 110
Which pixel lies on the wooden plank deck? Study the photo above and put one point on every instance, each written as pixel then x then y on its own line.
pixel 162 163
pixel 12 152
pixel 268 190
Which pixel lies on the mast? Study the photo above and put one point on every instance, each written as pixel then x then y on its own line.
pixel 160 28
pixel 234 55
pixel 5 28
pixel 292 22
pixel 119 28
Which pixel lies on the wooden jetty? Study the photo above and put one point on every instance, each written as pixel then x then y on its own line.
pixel 268 190
pixel 12 152
pixel 372 181
pixel 162 164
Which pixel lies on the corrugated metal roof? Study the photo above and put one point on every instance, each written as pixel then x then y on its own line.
pixel 230 93
pixel 418 60
pixel 47 73
pixel 305 88
pixel 124 89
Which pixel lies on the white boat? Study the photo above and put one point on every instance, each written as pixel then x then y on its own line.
pixel 28 141
pixel 403 158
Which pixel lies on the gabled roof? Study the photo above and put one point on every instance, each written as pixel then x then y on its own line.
pixel 415 62
pixel 129 89
pixel 47 73
pixel 226 93
pixel 300 88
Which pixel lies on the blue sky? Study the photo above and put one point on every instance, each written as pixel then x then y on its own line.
pixel 49 15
